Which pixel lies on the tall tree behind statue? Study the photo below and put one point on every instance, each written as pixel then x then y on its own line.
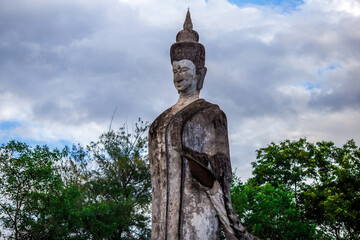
pixel 323 180
pixel 29 189
pixel 98 192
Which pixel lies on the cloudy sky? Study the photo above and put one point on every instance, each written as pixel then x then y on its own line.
pixel 279 69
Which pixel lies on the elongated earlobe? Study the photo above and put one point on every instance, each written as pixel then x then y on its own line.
pixel 202 73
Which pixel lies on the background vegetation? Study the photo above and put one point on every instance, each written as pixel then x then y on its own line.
pixel 299 190
pixel 98 192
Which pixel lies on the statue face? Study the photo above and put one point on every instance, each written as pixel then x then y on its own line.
pixel 184 75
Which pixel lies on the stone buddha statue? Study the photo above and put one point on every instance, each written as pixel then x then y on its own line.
pixel 189 156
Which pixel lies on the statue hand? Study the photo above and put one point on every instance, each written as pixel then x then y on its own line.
pixel 198 163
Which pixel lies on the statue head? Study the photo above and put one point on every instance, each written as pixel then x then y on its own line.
pixel 188 54
pixel 185 77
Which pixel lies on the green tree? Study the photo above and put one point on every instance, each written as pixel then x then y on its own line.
pixel 333 200
pixel 269 212
pixel 116 184
pixel 29 191
pixel 98 192
pixel 290 164
pixel 323 178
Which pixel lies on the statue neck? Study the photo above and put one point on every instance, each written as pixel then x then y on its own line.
pixel 185 98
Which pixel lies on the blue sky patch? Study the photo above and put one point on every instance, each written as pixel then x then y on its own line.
pixel 59 144
pixel 311 86
pixel 331 67
pixel 8 125
pixel 287 5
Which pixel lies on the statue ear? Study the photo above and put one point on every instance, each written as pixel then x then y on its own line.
pixel 201 77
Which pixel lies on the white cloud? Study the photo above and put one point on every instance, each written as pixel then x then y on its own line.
pixel 347 6
pixel 12 107
pixel 66 65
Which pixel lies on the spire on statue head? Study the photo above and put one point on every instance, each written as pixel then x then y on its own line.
pixel 187 34
pixel 187 45
pixel 188 24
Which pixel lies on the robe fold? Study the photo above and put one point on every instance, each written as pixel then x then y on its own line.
pixel 182 208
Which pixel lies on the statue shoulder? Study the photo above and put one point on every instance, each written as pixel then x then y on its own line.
pixel 160 120
pixel 213 112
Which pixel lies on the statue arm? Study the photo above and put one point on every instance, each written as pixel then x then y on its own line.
pixel 210 164
pixel 198 164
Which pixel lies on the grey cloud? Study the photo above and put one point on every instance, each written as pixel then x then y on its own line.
pixel 74 63
pixel 251 70
pixel 65 66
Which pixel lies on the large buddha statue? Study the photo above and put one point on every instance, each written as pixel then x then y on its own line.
pixel 189 156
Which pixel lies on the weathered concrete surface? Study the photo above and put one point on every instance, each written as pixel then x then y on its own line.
pixel 189 156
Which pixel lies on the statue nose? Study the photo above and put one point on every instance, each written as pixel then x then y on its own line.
pixel 178 74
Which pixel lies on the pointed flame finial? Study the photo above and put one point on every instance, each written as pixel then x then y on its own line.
pixel 188 24
pixel 187 46
pixel 187 34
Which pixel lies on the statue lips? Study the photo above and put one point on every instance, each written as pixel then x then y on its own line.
pixel 178 82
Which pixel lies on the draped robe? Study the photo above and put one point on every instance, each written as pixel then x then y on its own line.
pixel 182 208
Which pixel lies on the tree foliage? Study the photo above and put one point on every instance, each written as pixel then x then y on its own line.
pixel 324 180
pixel 119 189
pixel 29 191
pixel 269 212
pixel 299 190
pixel 101 191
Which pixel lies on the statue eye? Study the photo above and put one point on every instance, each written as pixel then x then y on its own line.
pixel 184 69
pixel 175 71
